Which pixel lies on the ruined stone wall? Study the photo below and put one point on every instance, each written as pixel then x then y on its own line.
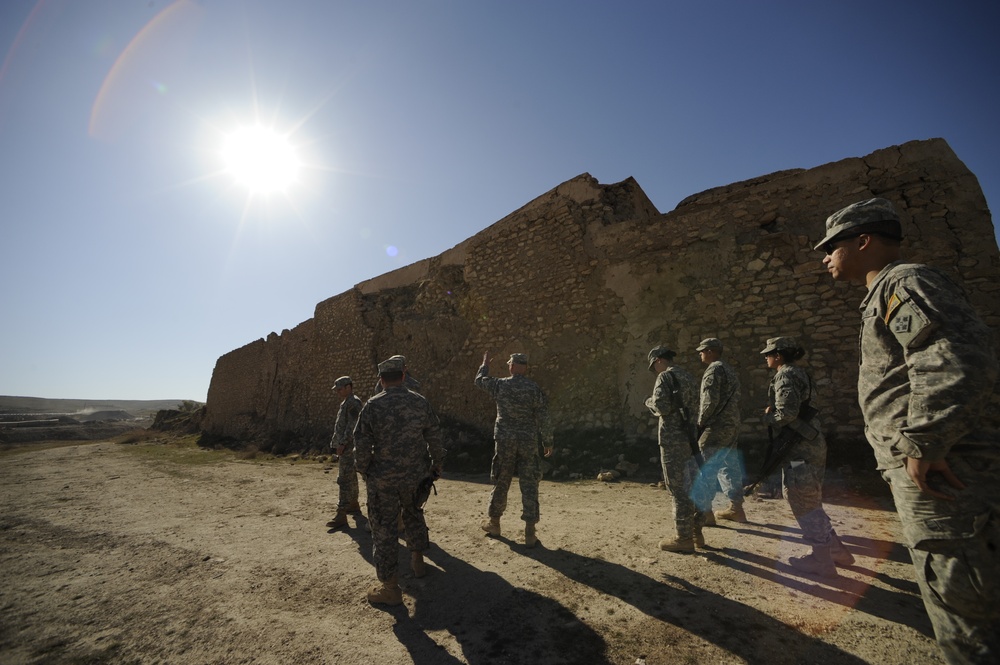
pixel 588 277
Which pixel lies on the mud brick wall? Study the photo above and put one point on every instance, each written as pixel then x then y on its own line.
pixel 586 278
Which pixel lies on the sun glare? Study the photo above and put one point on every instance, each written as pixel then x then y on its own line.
pixel 260 159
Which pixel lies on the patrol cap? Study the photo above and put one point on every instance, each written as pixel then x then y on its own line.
pixel 518 358
pixel 780 344
pixel 342 381
pixel 393 364
pixel 862 213
pixel 710 343
pixel 398 357
pixel 659 352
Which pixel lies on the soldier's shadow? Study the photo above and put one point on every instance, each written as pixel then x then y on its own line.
pixel 901 604
pixel 710 616
pixel 458 607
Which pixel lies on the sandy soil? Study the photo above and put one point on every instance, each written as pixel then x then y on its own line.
pixel 157 554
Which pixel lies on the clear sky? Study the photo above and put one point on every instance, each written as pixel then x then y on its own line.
pixel 136 250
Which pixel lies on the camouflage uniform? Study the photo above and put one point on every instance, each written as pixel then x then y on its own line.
pixel 803 468
pixel 343 435
pixel 396 432
pixel 719 422
pixel 522 419
pixel 928 368
pixel 675 389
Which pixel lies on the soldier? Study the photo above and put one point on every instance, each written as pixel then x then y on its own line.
pixel 409 383
pixel 719 427
pixel 792 419
pixel 342 444
pixel 396 433
pixel 674 402
pixel 522 419
pixel 928 368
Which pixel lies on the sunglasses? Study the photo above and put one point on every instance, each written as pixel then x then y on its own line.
pixel 831 246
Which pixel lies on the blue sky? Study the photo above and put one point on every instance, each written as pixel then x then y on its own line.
pixel 132 259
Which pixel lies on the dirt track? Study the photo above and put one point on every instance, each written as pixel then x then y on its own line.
pixel 157 554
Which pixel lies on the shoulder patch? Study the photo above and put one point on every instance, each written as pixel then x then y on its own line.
pixel 907 322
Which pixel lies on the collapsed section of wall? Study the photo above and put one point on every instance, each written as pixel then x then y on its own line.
pixel 586 278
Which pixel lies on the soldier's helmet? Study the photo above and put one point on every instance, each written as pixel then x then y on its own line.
pixel 710 343
pixel 873 212
pixel 659 352
pixel 781 344
pixel 394 364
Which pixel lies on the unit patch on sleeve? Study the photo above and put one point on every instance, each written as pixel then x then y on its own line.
pixel 907 321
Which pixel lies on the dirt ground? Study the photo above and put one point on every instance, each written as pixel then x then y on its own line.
pixel 160 553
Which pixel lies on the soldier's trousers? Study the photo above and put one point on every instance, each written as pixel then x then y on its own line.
pixel 677 463
pixel 347 478
pixel 723 469
pixel 385 501
pixel 955 547
pixel 802 481
pixel 520 457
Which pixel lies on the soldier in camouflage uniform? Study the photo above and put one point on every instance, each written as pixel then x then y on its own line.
pixel 928 369
pixel 398 444
pixel 409 383
pixel 674 401
pixel 719 425
pixel 790 391
pixel 343 444
pixel 522 420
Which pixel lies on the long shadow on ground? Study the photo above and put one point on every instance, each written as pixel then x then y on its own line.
pixel 733 626
pixel 901 605
pixel 491 620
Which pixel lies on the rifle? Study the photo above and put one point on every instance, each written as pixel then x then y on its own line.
pixel 693 435
pixel 424 489
pixel 689 428
pixel 780 446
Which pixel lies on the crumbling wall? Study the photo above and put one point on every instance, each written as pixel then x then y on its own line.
pixel 588 277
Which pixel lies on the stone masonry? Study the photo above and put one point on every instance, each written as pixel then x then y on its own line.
pixel 586 278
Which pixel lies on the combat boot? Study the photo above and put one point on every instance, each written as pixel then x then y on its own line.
pixel 734 513
pixel 841 555
pixel 699 538
pixel 339 521
pixel 708 518
pixel 818 563
pixel 530 539
pixel 417 564
pixel 683 545
pixel 353 508
pixel 386 593
pixel 491 526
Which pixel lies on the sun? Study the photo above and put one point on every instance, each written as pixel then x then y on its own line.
pixel 260 159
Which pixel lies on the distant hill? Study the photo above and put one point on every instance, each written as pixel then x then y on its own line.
pixel 41 405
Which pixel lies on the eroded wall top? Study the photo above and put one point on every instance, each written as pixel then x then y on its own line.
pixel 586 278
